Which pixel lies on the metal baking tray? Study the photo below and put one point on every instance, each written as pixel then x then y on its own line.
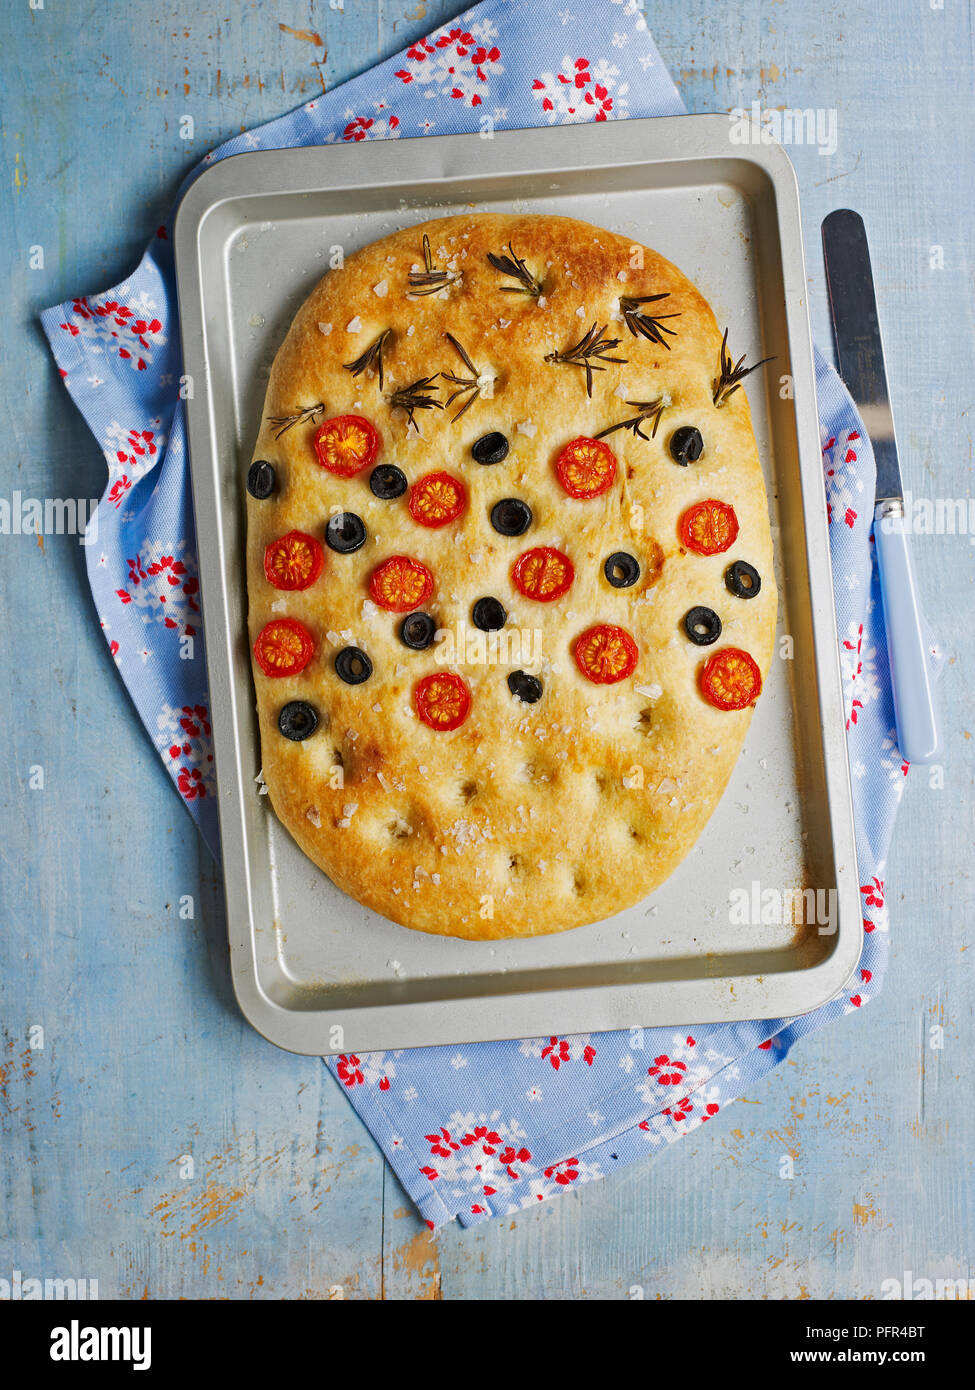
pixel 314 971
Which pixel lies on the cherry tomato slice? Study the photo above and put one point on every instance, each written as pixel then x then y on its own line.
pixel 586 467
pixel 442 701
pixel 543 574
pixel 606 654
pixel 400 584
pixel 346 444
pixel 730 679
pixel 283 647
pixel 293 561
pixel 437 499
pixel 709 528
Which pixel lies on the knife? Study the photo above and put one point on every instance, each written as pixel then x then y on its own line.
pixel 860 357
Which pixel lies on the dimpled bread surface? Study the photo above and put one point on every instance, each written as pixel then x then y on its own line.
pixel 528 818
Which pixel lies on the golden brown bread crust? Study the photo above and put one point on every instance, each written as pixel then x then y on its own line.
pixel 527 819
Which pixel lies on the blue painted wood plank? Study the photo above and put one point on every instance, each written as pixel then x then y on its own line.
pixel 145 1060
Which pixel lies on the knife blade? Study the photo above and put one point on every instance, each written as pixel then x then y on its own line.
pixel 860 358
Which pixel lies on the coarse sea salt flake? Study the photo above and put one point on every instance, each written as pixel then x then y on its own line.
pixel 652 692
pixel 526 427
pixel 354 325
pixel 325 328
pixel 314 816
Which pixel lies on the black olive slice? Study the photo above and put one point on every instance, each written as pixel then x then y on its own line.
pixel 345 533
pixel 298 720
pixel 743 579
pixel 622 570
pixel 417 630
pixel 702 625
pixel 686 445
pixel 387 481
pixel 490 448
pixel 525 687
pixel 511 516
pixel 261 480
pixel 488 614
pixel 353 666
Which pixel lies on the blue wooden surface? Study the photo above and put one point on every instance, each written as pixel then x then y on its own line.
pixel 145 1058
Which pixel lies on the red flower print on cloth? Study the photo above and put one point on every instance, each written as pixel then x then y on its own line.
pixel 456 63
pixel 861 680
pixel 479 1154
pixel 130 332
pixel 184 737
pixel 130 453
pixel 667 1072
pixel 509 1156
pixel 565 1172
pixel 488 1139
pixel 873 892
pixel 557 1051
pixel 442 1144
pixel 165 586
pixel 844 485
pixel 680 1111
pixel 368 128
pixel 581 92
pixel 350 1073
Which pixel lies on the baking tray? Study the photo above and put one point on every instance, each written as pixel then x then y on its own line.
pixel 316 972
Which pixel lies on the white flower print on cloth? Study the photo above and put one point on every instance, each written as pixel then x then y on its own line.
pixel 366 128
pixel 183 737
pixel 521 1122
pixel 456 62
pixel 130 332
pixel 555 1051
pixel 130 453
pixel 844 485
pixel 582 91
pixel 861 677
pixel 166 586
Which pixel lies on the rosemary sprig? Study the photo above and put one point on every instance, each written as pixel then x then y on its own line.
pixel 470 385
pixel 415 397
pixel 593 344
pixel 287 422
pixel 731 374
pixel 372 357
pixel 430 279
pixel 648 410
pixel 649 326
pixel 514 266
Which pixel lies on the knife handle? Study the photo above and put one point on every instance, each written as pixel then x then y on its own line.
pixel 907 646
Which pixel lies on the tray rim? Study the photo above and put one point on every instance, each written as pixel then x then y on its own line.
pixel 441 160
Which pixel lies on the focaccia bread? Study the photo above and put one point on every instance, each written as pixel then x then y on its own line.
pixel 509 569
